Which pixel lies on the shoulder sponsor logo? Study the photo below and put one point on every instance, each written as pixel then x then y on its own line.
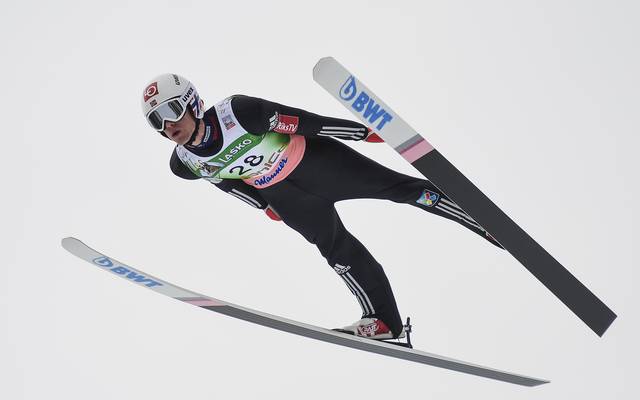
pixel 107 263
pixel 150 91
pixel 287 124
pixel 363 103
pixel 284 123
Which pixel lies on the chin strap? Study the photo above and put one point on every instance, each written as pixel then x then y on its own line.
pixel 194 134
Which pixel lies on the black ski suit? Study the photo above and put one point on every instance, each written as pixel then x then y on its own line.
pixel 330 171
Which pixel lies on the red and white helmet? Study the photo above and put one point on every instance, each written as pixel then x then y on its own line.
pixel 167 97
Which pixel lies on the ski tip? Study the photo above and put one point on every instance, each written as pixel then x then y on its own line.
pixel 322 61
pixel 68 241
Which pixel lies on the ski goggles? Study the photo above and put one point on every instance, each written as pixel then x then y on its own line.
pixel 171 110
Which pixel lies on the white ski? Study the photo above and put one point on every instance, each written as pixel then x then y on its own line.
pixel 79 249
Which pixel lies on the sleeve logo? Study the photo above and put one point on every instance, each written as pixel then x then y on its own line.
pixel 283 123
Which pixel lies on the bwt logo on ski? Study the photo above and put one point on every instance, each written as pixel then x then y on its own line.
pixel 363 103
pixel 106 262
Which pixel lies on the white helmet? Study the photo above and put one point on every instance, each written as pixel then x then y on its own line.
pixel 166 98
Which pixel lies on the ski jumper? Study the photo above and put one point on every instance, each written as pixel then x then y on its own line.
pixel 271 155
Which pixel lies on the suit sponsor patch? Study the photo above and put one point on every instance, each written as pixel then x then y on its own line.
pixel 284 123
pixel 428 198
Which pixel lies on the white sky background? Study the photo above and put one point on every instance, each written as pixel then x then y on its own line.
pixel 536 102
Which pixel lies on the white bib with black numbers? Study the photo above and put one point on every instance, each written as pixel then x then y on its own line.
pixel 243 155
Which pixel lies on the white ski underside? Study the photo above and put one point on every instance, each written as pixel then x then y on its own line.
pixel 79 249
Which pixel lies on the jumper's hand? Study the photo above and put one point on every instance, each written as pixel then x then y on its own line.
pixel 271 213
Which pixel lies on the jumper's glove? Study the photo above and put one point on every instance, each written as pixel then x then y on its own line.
pixel 373 137
pixel 271 213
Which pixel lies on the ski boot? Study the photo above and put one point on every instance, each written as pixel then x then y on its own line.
pixel 374 328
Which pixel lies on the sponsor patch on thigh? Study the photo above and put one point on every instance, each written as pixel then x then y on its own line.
pixel 428 198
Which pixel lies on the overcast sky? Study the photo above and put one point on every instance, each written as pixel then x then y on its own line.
pixel 534 101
